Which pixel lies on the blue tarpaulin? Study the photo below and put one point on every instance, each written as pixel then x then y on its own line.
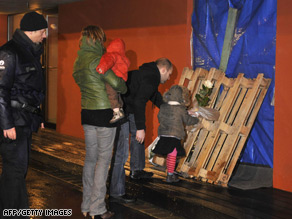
pixel 253 52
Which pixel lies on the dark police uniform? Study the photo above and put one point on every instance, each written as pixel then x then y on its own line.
pixel 22 90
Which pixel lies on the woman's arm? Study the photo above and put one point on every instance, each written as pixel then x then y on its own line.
pixel 116 82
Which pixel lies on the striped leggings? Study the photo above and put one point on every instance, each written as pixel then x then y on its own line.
pixel 171 160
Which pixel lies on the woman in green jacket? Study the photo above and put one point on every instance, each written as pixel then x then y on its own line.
pixel 95 116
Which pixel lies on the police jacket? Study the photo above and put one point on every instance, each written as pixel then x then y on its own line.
pixel 142 86
pixel 21 79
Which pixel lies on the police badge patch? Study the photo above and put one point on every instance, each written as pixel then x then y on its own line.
pixel 2 67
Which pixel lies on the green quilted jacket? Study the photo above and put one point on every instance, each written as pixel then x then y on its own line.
pixel 91 83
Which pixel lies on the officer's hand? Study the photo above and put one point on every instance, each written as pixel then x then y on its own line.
pixel 10 133
pixel 140 135
pixel 42 125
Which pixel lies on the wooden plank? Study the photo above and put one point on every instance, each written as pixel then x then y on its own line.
pixel 220 97
pixel 189 77
pixel 159 160
pixel 216 151
pixel 236 106
pixel 217 77
pixel 225 109
pixel 233 140
pixel 197 150
pixel 225 176
pixel 235 118
pixel 212 151
pixel 188 145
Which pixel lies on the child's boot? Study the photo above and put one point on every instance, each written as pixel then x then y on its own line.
pixel 119 114
pixel 171 178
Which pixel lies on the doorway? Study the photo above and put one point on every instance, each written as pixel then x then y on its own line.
pixel 51 69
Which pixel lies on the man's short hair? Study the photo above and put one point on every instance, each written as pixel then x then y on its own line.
pixel 163 62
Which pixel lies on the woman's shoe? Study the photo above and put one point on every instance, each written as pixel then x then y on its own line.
pixel 105 215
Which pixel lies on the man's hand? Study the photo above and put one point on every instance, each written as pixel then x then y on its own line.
pixel 140 135
pixel 42 125
pixel 10 133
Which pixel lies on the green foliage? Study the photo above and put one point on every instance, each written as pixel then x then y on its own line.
pixel 203 96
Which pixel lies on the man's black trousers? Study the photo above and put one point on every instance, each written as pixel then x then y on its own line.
pixel 15 157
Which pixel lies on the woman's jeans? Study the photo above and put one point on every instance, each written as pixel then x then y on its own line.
pixel 99 143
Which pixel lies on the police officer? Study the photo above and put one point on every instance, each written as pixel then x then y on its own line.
pixel 22 90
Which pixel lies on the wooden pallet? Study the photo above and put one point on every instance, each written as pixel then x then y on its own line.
pixel 213 151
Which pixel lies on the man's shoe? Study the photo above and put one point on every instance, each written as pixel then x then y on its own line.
pixel 105 215
pixel 122 199
pixel 140 174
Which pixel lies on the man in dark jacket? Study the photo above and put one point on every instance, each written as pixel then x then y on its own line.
pixel 142 87
pixel 22 90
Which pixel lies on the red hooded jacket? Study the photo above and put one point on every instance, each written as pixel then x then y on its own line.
pixel 115 59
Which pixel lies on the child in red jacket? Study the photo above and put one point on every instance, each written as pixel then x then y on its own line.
pixel 115 59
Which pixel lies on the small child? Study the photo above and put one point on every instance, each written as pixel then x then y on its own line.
pixel 115 59
pixel 173 116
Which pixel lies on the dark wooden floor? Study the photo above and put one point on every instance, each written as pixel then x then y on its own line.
pixel 189 198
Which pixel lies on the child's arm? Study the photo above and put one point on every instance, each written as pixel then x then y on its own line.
pixel 107 61
pixel 189 120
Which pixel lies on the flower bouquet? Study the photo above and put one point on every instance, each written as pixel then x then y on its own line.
pixel 199 108
pixel 204 93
